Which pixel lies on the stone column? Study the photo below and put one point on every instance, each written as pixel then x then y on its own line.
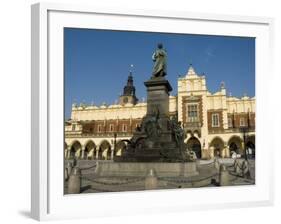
pixel 151 181
pixel 222 152
pixel 227 152
pixel 224 176
pixel 241 151
pixel 68 152
pixel 97 153
pixel 78 154
pixel 68 169
pixel 112 154
pixel 205 153
pixel 66 174
pixel 211 151
pixel 74 183
pixel 83 153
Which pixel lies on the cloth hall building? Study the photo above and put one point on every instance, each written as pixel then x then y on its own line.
pixel 215 124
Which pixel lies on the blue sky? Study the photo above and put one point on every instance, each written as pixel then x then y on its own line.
pixel 97 62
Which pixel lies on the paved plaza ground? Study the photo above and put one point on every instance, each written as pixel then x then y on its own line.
pixel 208 177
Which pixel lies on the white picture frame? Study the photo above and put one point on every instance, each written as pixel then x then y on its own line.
pixel 48 201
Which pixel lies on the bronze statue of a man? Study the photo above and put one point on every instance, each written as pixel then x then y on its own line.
pixel 160 62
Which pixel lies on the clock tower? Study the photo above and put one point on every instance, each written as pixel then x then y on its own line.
pixel 129 92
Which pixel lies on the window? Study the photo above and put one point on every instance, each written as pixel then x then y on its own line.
pixel 73 127
pixel 230 125
pixel 124 127
pixel 215 120
pixel 192 113
pixel 111 128
pixel 242 122
pixel 99 128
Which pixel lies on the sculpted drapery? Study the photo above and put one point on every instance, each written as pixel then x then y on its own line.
pixel 160 62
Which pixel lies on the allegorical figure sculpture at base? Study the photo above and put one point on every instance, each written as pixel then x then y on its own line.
pixel 159 58
pixel 159 137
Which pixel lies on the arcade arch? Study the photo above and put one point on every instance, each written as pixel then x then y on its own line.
pixel 218 145
pixel 104 152
pixel 193 144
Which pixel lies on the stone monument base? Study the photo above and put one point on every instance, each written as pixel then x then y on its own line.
pixel 138 169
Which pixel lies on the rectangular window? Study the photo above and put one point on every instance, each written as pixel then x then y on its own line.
pixel 242 122
pixel 73 127
pixel 111 128
pixel 230 124
pixel 215 120
pixel 99 128
pixel 192 113
pixel 124 128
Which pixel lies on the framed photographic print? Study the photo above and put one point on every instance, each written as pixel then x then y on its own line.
pixel 162 111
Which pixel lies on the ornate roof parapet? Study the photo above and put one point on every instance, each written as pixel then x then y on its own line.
pixel 191 81
pixel 191 71
pixel 245 97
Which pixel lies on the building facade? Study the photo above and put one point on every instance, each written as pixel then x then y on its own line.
pixel 215 124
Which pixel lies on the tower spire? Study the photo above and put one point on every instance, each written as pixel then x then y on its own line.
pixel 131 68
pixel 129 90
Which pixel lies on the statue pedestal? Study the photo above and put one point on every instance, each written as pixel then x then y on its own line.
pixel 158 96
pixel 158 90
pixel 156 140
